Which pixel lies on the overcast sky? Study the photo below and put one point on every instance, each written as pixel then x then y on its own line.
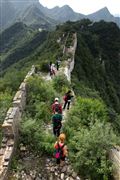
pixel 85 6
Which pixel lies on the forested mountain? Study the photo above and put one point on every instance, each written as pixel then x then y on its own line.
pixel 35 18
pixel 98 60
pixel 7 13
pixel 22 4
pixel 64 14
pixel 103 14
pixel 29 12
pixel 34 14
pixel 19 46
pixel 95 81
pixel 18 42
pixel 97 54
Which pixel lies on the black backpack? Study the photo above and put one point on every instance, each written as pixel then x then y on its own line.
pixel 57 107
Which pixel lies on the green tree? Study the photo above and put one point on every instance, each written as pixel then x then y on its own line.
pixel 89 150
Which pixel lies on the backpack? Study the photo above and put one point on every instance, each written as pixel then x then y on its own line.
pixel 58 154
pixel 65 98
pixel 57 106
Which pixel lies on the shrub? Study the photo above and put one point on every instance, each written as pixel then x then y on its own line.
pixel 83 90
pixel 40 141
pixel 43 112
pixel 40 95
pixel 89 150
pixel 87 111
pixel 90 137
pixel 44 66
pixel 60 83
pixel 5 102
pixel 114 120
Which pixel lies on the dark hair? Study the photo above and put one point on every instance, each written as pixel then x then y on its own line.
pixel 69 92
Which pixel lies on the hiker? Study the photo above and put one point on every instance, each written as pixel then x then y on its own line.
pixel 61 150
pixel 58 63
pixel 68 63
pixel 50 68
pixel 56 120
pixel 67 98
pixel 57 105
pixel 53 70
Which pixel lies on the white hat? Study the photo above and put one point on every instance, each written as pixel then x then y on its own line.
pixel 56 99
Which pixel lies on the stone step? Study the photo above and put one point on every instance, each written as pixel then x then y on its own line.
pixel 3 145
pixel 2 150
pixel 5 164
pixel 4 140
pixel 7 155
pixel 10 143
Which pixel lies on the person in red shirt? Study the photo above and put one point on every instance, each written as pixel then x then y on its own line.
pixel 57 105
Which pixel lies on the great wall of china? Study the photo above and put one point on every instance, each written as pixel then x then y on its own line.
pixel 11 123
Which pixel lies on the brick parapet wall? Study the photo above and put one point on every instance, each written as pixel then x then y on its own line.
pixel 10 126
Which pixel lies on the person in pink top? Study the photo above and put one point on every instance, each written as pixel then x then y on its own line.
pixel 57 105
pixel 61 150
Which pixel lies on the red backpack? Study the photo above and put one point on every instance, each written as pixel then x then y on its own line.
pixel 65 98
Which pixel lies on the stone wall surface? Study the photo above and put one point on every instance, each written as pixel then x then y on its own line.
pixel 115 157
pixel 71 61
pixel 10 127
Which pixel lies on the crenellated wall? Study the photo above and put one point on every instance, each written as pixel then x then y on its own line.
pixel 10 126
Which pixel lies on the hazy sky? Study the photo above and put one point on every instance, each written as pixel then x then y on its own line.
pixel 85 6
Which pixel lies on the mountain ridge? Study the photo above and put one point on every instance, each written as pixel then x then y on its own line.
pixel 57 14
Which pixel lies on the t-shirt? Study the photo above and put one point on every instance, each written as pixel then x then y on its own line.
pixel 56 119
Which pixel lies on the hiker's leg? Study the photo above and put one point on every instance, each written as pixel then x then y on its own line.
pixel 50 73
pixel 54 131
pixel 53 72
pixel 62 161
pixel 65 105
pixel 58 161
pixel 68 105
pixel 58 132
